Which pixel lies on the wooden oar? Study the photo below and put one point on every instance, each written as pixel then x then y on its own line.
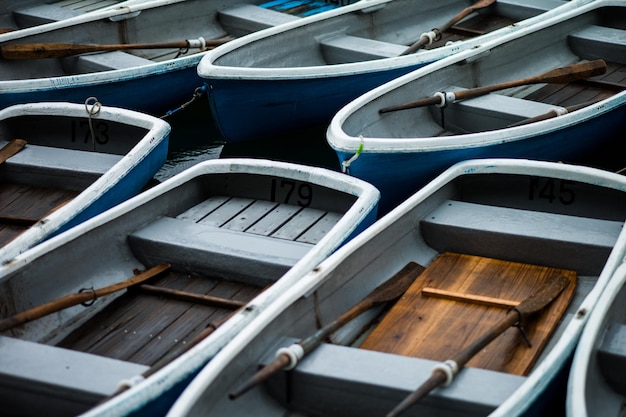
pixel 77 298
pixel 556 112
pixel 445 372
pixel 62 50
pixel 191 297
pixel 11 148
pixel 288 357
pixel 435 34
pixel 560 75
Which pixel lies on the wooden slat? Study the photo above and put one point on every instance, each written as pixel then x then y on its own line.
pixel 320 229
pixel 274 220
pixel 250 216
pixel 226 211
pixel 298 224
pixel 437 329
pixel 199 211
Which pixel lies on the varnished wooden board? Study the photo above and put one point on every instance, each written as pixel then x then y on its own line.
pixel 437 329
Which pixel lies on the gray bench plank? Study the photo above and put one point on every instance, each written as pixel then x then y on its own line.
pixel 299 224
pixel 320 229
pixel 44 377
pixel 250 215
pixel 541 238
pixel 225 212
pixel 203 249
pixel 203 209
pixel 350 381
pixel 343 49
pixel 274 219
pixel 247 18
pixel 599 42
pixel 104 61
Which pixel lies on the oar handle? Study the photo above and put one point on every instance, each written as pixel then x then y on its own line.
pixel 77 298
pixel 281 362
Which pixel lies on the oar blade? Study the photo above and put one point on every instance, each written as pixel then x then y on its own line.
pixel 11 148
pixel 571 73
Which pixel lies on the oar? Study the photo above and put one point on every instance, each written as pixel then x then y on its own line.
pixel 445 372
pixel 555 112
pixel 77 298
pixel 62 50
pixel 287 358
pixel 11 148
pixel 560 75
pixel 435 34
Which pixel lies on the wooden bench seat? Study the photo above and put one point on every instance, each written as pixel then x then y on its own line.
pixel 48 166
pixel 104 61
pixel 43 377
pixel 343 49
pixel 578 243
pixel 244 19
pixel 490 111
pixel 600 42
pixel 216 251
pixel 362 382
pixel 41 14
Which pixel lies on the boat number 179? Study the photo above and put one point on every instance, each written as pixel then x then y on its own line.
pixel 552 190
pixel 291 192
pixel 82 133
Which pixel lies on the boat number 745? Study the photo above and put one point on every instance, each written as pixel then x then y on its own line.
pixel 291 192
pixel 553 190
pixel 82 133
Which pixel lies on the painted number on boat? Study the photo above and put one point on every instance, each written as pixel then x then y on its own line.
pixel 81 131
pixel 552 190
pixel 291 192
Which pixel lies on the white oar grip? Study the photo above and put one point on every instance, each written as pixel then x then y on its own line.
pixel 295 352
pixel 449 368
pixel 445 97
pixel 197 43
pixel 431 36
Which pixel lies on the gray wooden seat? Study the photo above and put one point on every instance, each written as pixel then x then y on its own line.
pixel 490 111
pixel 557 240
pixel 594 42
pixel 67 380
pixel 104 61
pixel 43 13
pixel 80 168
pixel 243 19
pixel 343 49
pixel 363 382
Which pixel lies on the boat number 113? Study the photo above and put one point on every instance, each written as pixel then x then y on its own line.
pixel 291 192
pixel 82 133
pixel 552 190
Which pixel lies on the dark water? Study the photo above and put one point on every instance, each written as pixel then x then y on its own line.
pixel 195 138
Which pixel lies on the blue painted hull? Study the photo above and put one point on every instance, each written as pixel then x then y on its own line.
pixel 277 106
pixel 399 175
pixel 128 186
pixel 155 91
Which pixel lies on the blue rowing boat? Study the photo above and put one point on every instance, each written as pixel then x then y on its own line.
pixel 399 151
pixel 299 74
pixel 153 81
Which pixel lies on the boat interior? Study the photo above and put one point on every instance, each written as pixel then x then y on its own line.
pixel 232 21
pixel 382 31
pixel 223 245
pixel 56 164
pixel 368 367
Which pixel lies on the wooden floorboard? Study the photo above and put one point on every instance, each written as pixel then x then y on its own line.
pixel 144 328
pixel 28 204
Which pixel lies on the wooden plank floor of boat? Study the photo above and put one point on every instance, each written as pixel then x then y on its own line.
pixel 422 325
pixel 143 328
pixel 22 205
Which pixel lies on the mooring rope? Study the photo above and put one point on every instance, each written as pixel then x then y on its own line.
pixel 92 111
pixel 197 94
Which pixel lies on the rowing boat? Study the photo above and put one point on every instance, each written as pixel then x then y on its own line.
pixel 457 256
pixel 218 242
pixel 156 76
pixel 399 151
pixel 596 379
pixel 299 74
pixel 75 162
pixel 20 14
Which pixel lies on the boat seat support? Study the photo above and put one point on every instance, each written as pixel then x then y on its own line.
pixel 612 357
pixel 104 61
